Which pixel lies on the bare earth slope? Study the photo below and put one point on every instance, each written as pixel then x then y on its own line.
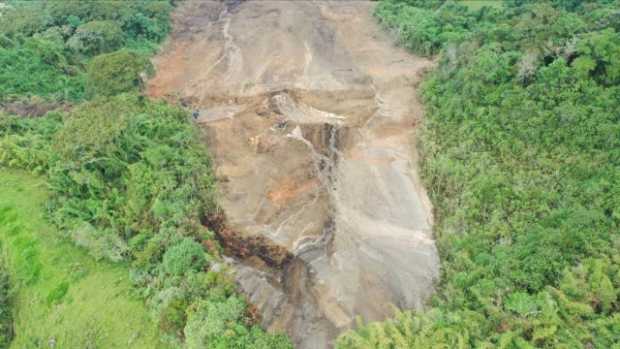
pixel 307 108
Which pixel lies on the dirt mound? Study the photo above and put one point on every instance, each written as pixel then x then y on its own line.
pixel 307 108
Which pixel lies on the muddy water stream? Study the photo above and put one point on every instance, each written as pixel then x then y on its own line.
pixel 308 110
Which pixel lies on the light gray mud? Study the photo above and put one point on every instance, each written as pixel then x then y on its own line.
pixel 308 109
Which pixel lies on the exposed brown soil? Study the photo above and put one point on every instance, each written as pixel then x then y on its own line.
pixel 308 110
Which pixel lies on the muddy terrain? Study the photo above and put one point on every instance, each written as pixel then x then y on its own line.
pixel 308 110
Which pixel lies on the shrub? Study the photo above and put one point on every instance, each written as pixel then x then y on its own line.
pixel 67 12
pixel 427 25
pixel 210 322
pixel 100 243
pixel 50 52
pixel 172 317
pixel 417 28
pixel 214 323
pixel 57 35
pixel 23 18
pixel 184 257
pixel 24 142
pixel 96 37
pixel 37 66
pixel 150 23
pixel 114 73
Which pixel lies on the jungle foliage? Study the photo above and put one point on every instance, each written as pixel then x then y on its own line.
pixel 521 156
pixel 128 179
pixel 46 45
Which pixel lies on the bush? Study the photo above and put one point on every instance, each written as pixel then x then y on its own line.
pixel 150 22
pixel 23 18
pixel 37 66
pixel 96 37
pixel 100 243
pixel 114 73
pixel 70 12
pixel 425 26
pixel 184 257
pixel 215 324
pixel 24 142
pixel 417 28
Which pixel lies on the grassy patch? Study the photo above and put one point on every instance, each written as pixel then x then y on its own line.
pixel 62 295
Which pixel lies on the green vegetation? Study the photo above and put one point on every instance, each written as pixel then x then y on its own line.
pixel 478 4
pixel 128 182
pixel 6 304
pixel 212 324
pixel 60 294
pixel 185 256
pixel 45 45
pixel 125 66
pixel 521 158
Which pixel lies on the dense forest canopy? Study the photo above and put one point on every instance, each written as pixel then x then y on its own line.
pixel 521 156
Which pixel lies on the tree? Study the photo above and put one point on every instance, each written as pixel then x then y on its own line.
pixel 114 73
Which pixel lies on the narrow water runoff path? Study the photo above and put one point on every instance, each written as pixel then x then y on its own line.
pixel 309 112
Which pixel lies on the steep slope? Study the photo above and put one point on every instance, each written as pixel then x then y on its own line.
pixel 307 110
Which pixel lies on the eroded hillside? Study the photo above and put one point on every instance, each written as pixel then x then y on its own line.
pixel 307 110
